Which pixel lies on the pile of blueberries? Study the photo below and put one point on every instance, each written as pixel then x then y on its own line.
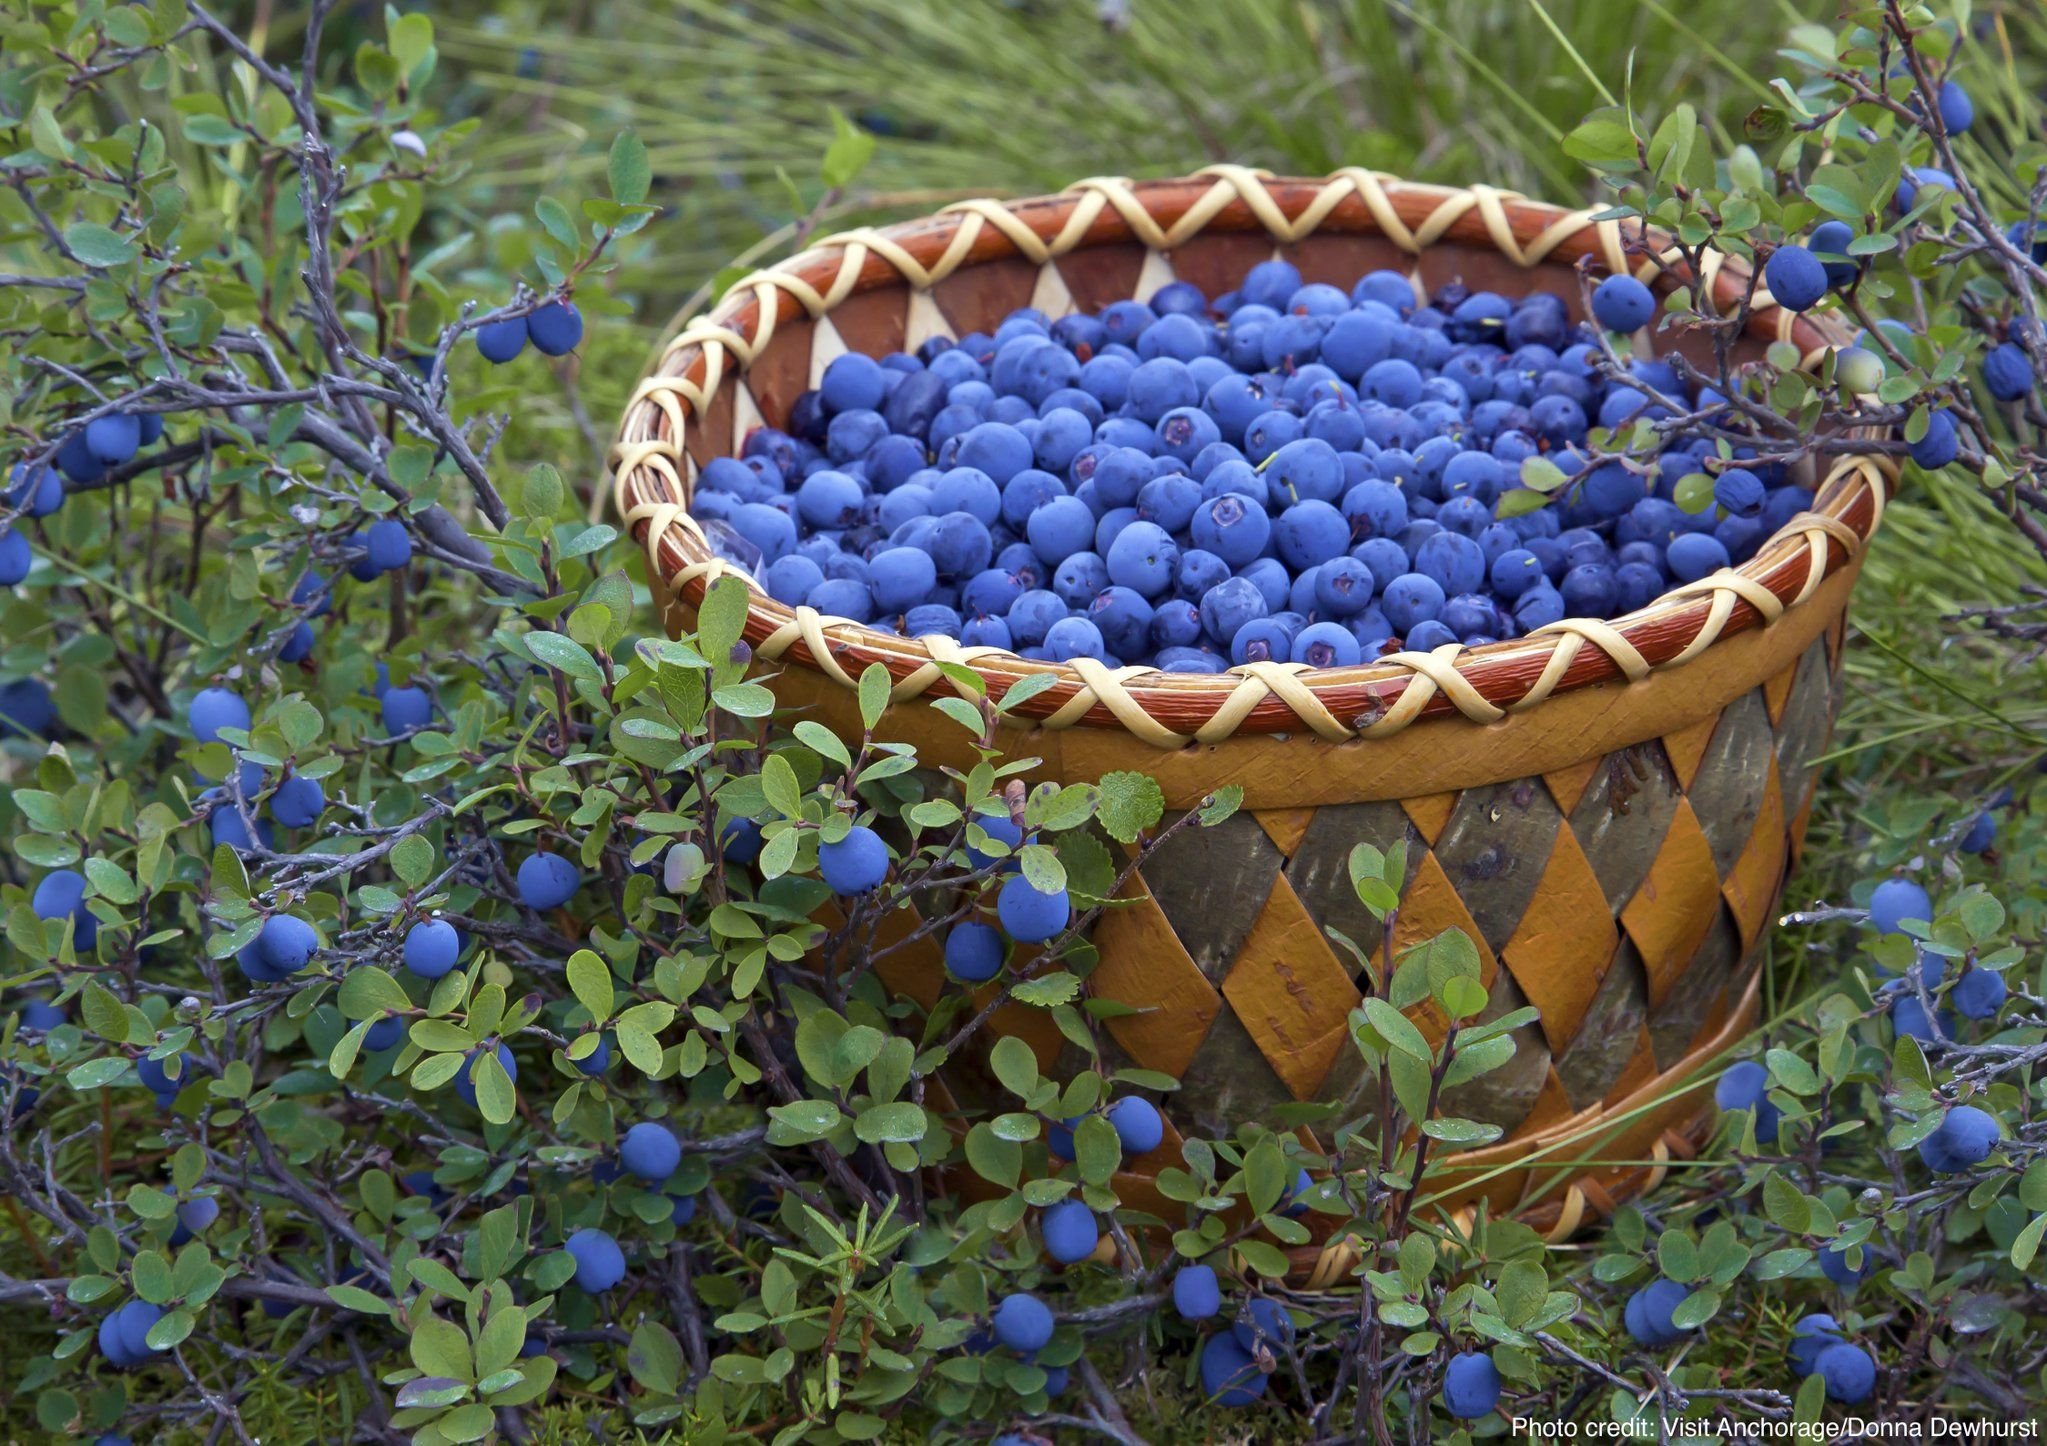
pixel 1291 472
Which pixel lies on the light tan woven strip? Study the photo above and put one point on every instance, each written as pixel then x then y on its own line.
pixel 675 397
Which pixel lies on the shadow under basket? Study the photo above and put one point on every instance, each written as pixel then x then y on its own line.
pixel 1607 808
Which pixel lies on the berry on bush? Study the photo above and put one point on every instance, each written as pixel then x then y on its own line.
pixel 650 1151
pixel 855 864
pixel 547 881
pixel 600 1264
pixel 1029 915
pixel 1196 1295
pixel 1471 1385
pixel 1070 1232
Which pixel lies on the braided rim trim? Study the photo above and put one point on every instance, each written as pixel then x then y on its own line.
pixel 652 484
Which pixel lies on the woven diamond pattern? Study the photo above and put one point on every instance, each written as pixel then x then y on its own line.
pixel 1623 898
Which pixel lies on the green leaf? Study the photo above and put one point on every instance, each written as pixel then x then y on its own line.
pixel 441 1348
pixel 1397 1029
pixel 848 154
pixel 2028 1244
pixel 1096 1150
pixel 627 169
pixel 654 1357
pixel 1015 1066
pixel 97 245
pixel 368 993
pixel 875 687
pixel 103 1013
pixel 1129 803
pixel 496 1100
pixel 1462 997
pixel 902 1121
pixel 590 981
pixel 564 655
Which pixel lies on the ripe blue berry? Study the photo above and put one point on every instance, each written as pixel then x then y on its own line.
pixel 1964 1139
pixel 1896 900
pixel 431 948
pixel 855 864
pixel 1070 1232
pixel 1848 1370
pixel 388 543
pixel 1941 443
pixel 1029 916
pixel 405 710
pixel 60 894
pixel 1957 110
pixel 213 709
pixel 556 328
pixel 500 341
pixel 1647 1315
pixel 1812 1334
pixel 1229 1374
pixel 1022 1323
pixel 1471 1385
pixel 1621 303
pixel 974 952
pixel 1742 1088
pixel 113 439
pixel 1796 278
pixel 1980 993
pixel 600 1264
pixel 2008 372
pixel 298 802
pixel 650 1151
pixel 1140 1128
pixel 286 943
pixel 1196 1295
pixel 547 881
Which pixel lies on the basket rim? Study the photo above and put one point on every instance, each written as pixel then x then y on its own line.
pixel 653 471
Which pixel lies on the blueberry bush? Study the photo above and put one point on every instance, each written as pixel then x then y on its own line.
pixel 439 1007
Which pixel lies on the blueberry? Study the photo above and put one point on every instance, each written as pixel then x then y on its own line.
pixel 974 952
pixel 829 499
pixel 600 1264
pixel 2008 372
pixel 1742 1088
pixel 1829 242
pixel 901 577
pixel 1074 637
pixel 1264 1323
pixel 1229 1374
pixel 1029 915
pixel 298 802
pixel 1647 1315
pixel 286 944
pixel 1813 1334
pixel 1740 491
pixel 500 341
pixel 1229 605
pixel 1140 1128
pixel 1070 1232
pixel 1621 303
pixel 547 881
pixel 852 382
pixel 650 1151
pixel 556 328
pixel 1410 599
pixel 431 948
pixel 1835 1267
pixel 1196 1294
pixel 60 894
pixel 1796 278
pixel 1980 993
pixel 1471 1385
pixel 1895 900
pixel 1144 559
pixel 1957 111
pixel 37 493
pixel 855 864
pixel 1964 1139
pixel 1695 555
pixel 1921 183
pixel 1848 1370
pixel 1022 1323
pixel 1309 533
pixel 1326 645
pixel 1232 528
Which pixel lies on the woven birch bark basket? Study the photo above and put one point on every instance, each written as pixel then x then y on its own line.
pixel 1608 808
